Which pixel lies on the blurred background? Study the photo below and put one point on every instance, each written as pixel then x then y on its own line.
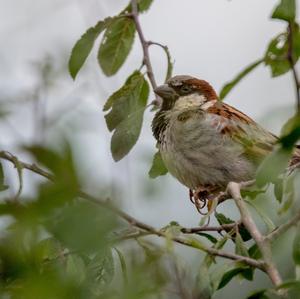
pixel 40 103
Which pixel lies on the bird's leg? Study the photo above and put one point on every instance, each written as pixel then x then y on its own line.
pixel 201 196
pixel 191 195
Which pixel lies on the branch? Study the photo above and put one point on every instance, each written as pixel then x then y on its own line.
pixel 32 167
pixel 168 55
pixel 283 228
pixel 145 45
pixel 205 228
pixel 19 168
pixel 133 221
pixel 263 244
pixel 215 252
pixel 292 62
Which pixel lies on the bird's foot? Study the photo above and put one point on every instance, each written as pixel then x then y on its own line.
pixel 201 197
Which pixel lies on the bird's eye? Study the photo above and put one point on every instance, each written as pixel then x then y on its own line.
pixel 185 89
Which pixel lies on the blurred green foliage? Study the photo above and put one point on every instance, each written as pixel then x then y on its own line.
pixel 60 246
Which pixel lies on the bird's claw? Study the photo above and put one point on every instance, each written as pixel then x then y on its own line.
pixel 201 198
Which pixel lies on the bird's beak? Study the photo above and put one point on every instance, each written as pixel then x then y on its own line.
pixel 165 92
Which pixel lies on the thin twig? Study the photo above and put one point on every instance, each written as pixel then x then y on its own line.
pixel 205 228
pixel 136 223
pixel 20 176
pixel 292 62
pixel 32 167
pixel 136 235
pixel 145 44
pixel 263 244
pixel 216 252
pixel 169 58
pixel 283 228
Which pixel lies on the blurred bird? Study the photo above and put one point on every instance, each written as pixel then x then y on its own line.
pixel 206 143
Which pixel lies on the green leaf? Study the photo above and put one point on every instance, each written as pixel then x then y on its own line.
pixel 248 273
pixel 129 98
pixel 217 274
pixel 173 230
pixel 126 135
pixel 144 5
pixel 276 55
pixel 291 124
pixel 252 193
pixel 230 85
pixel 84 46
pixel 254 252
pixel 244 233
pixel 65 186
pixel 291 132
pixel 204 287
pixel 123 264
pixel 276 163
pixel 60 164
pixel 102 267
pixel 258 295
pixel 286 10
pixel 116 45
pixel 49 249
pixel 228 276
pixel 288 202
pixel 158 167
pixel 272 166
pixel 296 40
pixel 209 259
pixel 126 115
pixel 278 189
pixel 208 237
pixel 291 284
pixel 82 226
pixel 75 268
pixel 2 185
pixel 222 219
pixel 269 223
pixel 296 247
pixel 240 247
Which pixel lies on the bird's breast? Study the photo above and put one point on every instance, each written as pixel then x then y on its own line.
pixel 196 153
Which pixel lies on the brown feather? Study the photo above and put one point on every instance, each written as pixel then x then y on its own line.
pixel 234 124
pixel 203 86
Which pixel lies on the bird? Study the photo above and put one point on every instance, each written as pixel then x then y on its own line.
pixel 204 142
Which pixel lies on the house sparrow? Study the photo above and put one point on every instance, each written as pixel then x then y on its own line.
pixel 204 142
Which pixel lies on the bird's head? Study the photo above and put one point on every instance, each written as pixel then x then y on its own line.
pixel 187 89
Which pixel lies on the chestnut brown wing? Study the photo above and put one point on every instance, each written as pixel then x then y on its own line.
pixel 232 123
